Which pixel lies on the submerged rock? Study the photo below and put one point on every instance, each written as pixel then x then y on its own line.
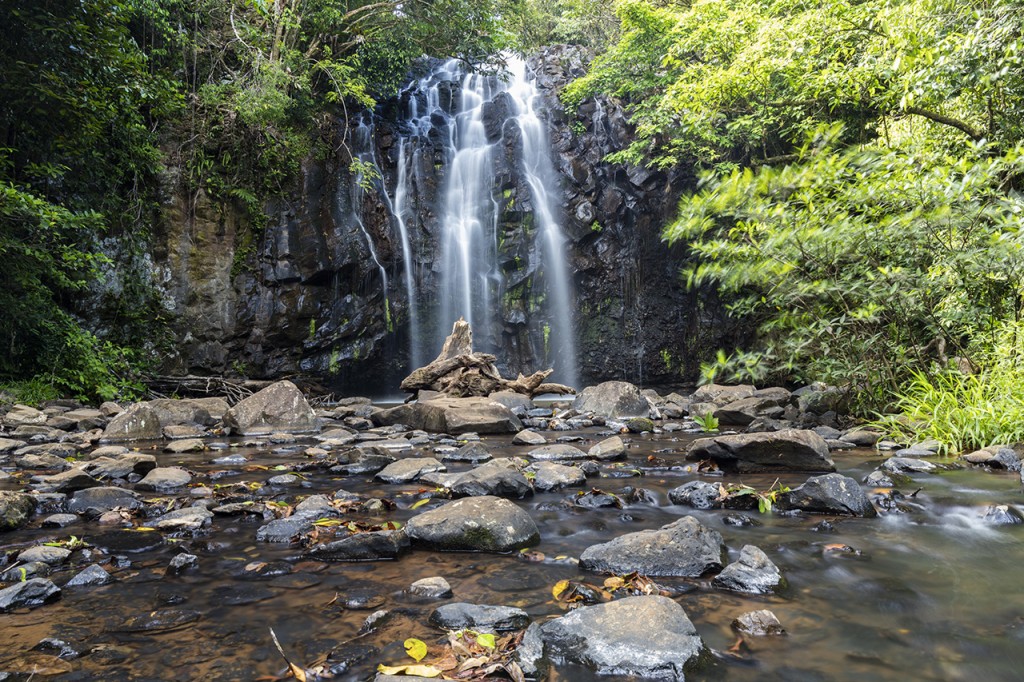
pixel 557 452
pixel 828 494
pixel 410 469
pixel 371 546
pixel 787 450
pixel 683 548
pixel 638 636
pixel 483 524
pixel 431 588
pixel 753 573
pixel 1003 515
pixel 696 494
pixel 759 624
pixel 493 478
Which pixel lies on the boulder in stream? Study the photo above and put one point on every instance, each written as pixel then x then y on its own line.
pixel 648 637
pixel 614 399
pixel 752 573
pixel 479 617
pixel 278 407
pixel 452 415
pixel 29 593
pixel 683 548
pixel 786 450
pixel 482 524
pixel 828 494
pixel 15 509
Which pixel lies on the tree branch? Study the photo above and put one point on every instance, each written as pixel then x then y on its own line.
pixel 946 120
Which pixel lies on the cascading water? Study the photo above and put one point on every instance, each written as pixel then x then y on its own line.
pixel 496 184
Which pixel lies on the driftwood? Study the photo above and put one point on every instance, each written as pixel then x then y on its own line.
pixel 460 373
pixel 233 390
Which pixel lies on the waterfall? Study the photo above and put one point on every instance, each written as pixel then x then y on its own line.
pixel 362 140
pixel 493 180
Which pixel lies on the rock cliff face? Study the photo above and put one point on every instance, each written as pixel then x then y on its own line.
pixel 321 290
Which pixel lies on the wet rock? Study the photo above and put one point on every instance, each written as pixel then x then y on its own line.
pixel 52 556
pixel 185 445
pixel 452 415
pixel 190 411
pixel 371 546
pixel 740 521
pixel 160 620
pixel 788 450
pixel 861 437
pixel 528 437
pixel 68 481
pixel 278 407
pixel 557 451
pixel 59 520
pixel 181 563
pixel 744 411
pixel 696 494
pixel 828 494
pixel 485 524
pixel 126 541
pixel 752 573
pixel 719 394
pixel 185 519
pixel 119 466
pixel 552 476
pixel 902 465
pixel 316 506
pixel 459 616
pixel 28 594
pixel 365 461
pixel 91 575
pixel 639 425
pixel 493 478
pixel 431 588
pixel 647 637
pixel 284 530
pixel 470 452
pixel 284 480
pixel 10 445
pixel 760 623
pixel 163 479
pixel 410 469
pixel 183 432
pixel 517 402
pixel 608 449
pixel 138 422
pixel 21 572
pixel 15 509
pixel 42 461
pixel 997 457
pixel 58 648
pixel 1003 515
pixel 104 498
pixel 613 399
pixel 683 548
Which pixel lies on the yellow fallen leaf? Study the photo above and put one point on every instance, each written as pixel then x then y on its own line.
pixel 614 583
pixel 560 587
pixel 419 670
pixel 416 649
pixel 420 503
pixel 486 640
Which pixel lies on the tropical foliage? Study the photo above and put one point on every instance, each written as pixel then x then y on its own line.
pixel 860 203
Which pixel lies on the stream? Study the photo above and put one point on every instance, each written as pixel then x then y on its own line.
pixel 926 594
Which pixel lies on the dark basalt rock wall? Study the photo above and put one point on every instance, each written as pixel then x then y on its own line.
pixel 305 295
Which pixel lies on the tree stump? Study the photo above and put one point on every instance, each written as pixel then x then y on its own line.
pixel 460 373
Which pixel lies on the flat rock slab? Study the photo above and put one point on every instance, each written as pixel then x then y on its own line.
pixel 648 637
pixel 552 476
pixel 786 450
pixel 557 452
pixel 102 499
pixel 828 494
pixel 479 617
pixel 482 524
pixel 683 548
pixel 452 415
pixel 165 478
pixel 493 478
pixel 28 594
pixel 372 546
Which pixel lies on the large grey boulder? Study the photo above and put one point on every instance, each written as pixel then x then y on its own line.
pixel 22 415
pixel 15 509
pixel 482 524
pixel 683 548
pixel 786 450
pixel 613 399
pixel 138 422
pixel 552 476
pixel 646 637
pixel 608 449
pixel 409 469
pixel 829 494
pixel 103 499
pixel 165 478
pixel 452 415
pixel 371 546
pixel 719 394
pixel 278 407
pixel 753 573
pixel 199 411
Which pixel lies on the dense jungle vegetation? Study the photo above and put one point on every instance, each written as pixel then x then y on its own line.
pixel 862 165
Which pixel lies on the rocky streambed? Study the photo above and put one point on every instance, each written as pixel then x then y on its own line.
pixel 606 539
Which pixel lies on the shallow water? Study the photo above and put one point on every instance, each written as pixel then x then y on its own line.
pixel 931 594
